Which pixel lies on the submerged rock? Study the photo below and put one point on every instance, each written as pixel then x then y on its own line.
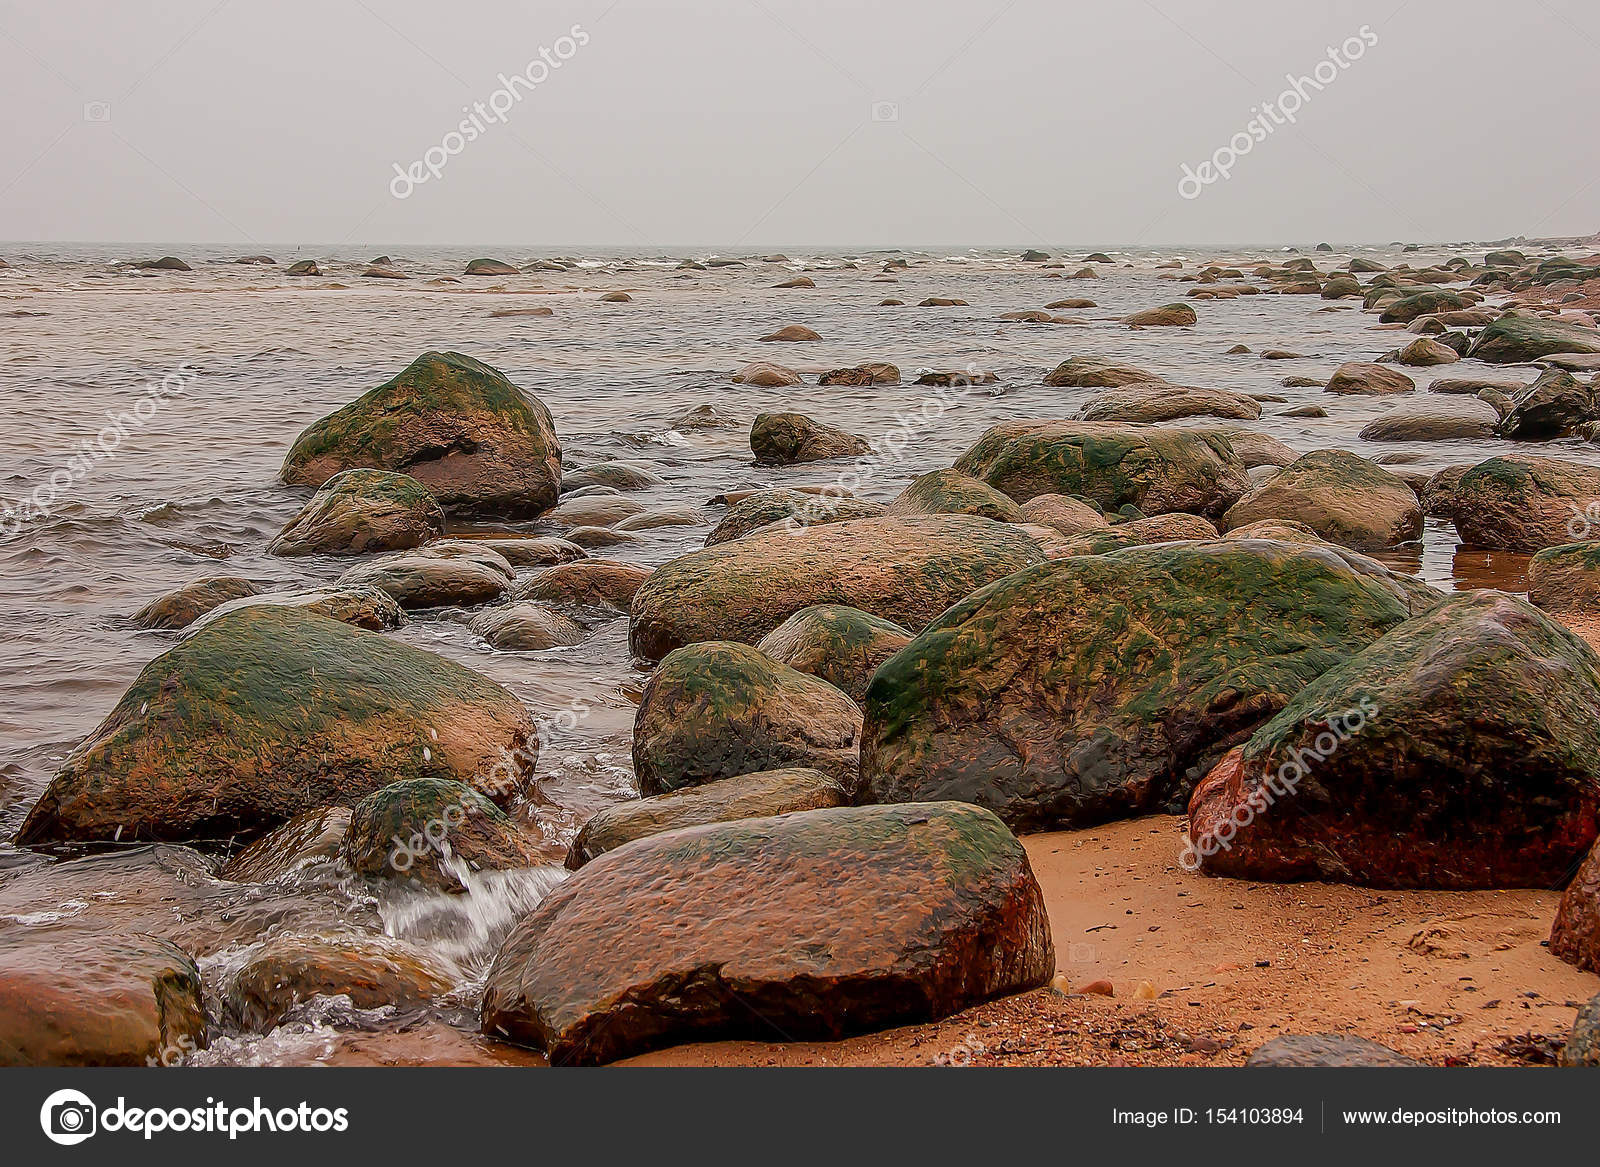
pixel 767 376
pixel 717 710
pixel 782 439
pixel 843 646
pixel 361 511
pixel 181 608
pixel 872 373
pixel 618 475
pixel 267 714
pixel 458 426
pixel 1461 750
pixel 733 929
pixel 370 969
pixel 1341 496
pixel 792 333
pixel 527 628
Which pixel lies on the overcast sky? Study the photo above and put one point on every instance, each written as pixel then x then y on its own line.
pixel 770 122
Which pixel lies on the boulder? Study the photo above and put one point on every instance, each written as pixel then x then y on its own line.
pixel 799 508
pixel 304 267
pixel 1583 1046
pixel 165 263
pixel 308 838
pixel 1325 1050
pixel 617 475
pixel 616 298
pixel 539 552
pixel 421 579
pixel 872 373
pixel 1103 686
pixel 1151 404
pixel 748 796
pixel 361 511
pixel 717 709
pixel 1436 420
pixel 361 607
pixel 1062 513
pixel 371 970
pixel 1424 353
pixel 181 608
pixel 1343 497
pixel 1167 316
pixel 1364 377
pixel 907 570
pixel 791 333
pixel 1552 407
pixel 1137 533
pixel 489 267
pixel 604 585
pixel 734 930
pixel 782 439
pixel 1522 503
pixel 434 831
pixel 267 714
pixel 1461 750
pixel 843 646
pixel 1156 470
pixel 765 375
pixel 1575 935
pixel 1096 373
pixel 1566 578
pixel 527 628
pixel 949 492
pixel 458 426
pixel 1516 339
pixel 1407 308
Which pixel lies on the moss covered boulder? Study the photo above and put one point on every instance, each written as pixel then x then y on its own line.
pixel 749 796
pixel 1566 578
pixel 361 511
pixel 843 646
pixel 1341 496
pixel 75 997
pixel 1156 470
pixel 435 831
pixel 1552 407
pixel 949 492
pixel 267 714
pixel 480 444
pixel 907 570
pixel 1104 686
pixel 371 969
pixel 1516 339
pixel 719 709
pixel 1151 404
pixel 1407 308
pixel 1460 750
pixel 735 930
pixel 1523 503
pixel 362 607
pixel 782 439
pixel 791 508
pixel 181 608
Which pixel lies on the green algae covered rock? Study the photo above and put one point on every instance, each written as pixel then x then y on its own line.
pixel 1516 339
pixel 844 646
pixel 1157 470
pixel 781 439
pixel 480 444
pixel 736 929
pixel 1104 686
pixel 1343 497
pixel 790 507
pixel 434 831
pixel 271 712
pixel 1566 578
pixel 1523 503
pixel 361 511
pixel 949 492
pixel 1461 750
pixel 907 570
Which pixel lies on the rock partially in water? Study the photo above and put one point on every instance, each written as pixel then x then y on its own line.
pixel 181 608
pixel 1103 686
pixel 425 579
pixel 165 263
pixel 1423 353
pixel 1167 316
pixel 1097 373
pixel 372 970
pixel 872 373
pixel 765 375
pixel 1343 497
pixel 843 646
pixel 458 426
pixel 618 475
pixel 731 929
pixel 361 511
pixel 718 709
pixel 1554 406
pixel 304 267
pixel 542 552
pixel 587 585
pixel 593 510
pixel 1406 765
pixel 308 838
pixel 267 714
pixel 1364 377
pixel 792 333
pixel 907 570
pixel 489 267
pixel 434 831
pixel 748 796
pixel 1151 404
pixel 1566 578
pixel 528 628
pixel 1522 503
pixel 949 492
pixel 1517 338
pixel 1137 533
pixel 1437 420
pixel 789 508
pixel 782 439
pixel 362 607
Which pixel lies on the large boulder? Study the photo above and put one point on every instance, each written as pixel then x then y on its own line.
pixel 75 997
pixel 1407 308
pixel 748 796
pixel 1566 578
pixel 719 709
pixel 949 492
pixel 841 645
pixel 907 570
pixel 1516 339
pixel 789 507
pixel 1364 377
pixel 1103 686
pixel 1524 503
pixel 271 712
pixel 1341 496
pixel 1575 935
pixel 1154 469
pixel 434 831
pixel 735 930
pixel 1460 750
pixel 1151 404
pixel 1552 407
pixel 782 439
pixel 458 426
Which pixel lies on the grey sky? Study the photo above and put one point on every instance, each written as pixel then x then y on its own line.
pixel 793 121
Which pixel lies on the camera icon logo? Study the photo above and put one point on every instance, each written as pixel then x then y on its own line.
pixel 97 111
pixel 885 111
pixel 68 1117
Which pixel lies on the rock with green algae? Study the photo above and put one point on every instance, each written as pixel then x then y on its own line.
pixel 1343 497
pixel 782 439
pixel 269 713
pixel 949 492
pixel 479 443
pixel 789 507
pixel 1566 578
pixel 843 646
pixel 1520 502
pixel 1516 338
pixel 1104 686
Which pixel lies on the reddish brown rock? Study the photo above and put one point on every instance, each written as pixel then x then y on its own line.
pixel 1575 938
pixel 585 584
pixel 372 970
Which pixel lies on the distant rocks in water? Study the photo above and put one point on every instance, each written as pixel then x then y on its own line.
pixel 371 970
pixel 791 508
pixel 891 302
pixel 949 492
pixel 782 439
pixel 942 302
pixel 1343 497
pixel 480 444
pixel 1303 383
pixel 955 378
pixel 1368 378
pixel 843 646
pixel 1407 766
pixel 269 713
pixel 311 837
pixel 255 259
pixel 489 267
pixel 1097 373
pixel 1033 255
pixel 361 511
pixel 181 608
pixel 1523 503
pixel 420 579
pixel 586 586
pixel 747 912
pixel 616 298
pixel 1167 316
pixel 1032 697
pixel 304 267
pixel 718 709
pixel 1325 1050
pixel 1566 578
pixel 1071 302
pixel 1153 403
pixel 1237 350
pixel 1422 353
pixel 1516 338
pixel 1305 411
pixel 527 628
pixel 748 796
pixel 797 282
pixel 905 570
pixel 361 607
pixel 74 997
pixel 792 332
pixel 653 520
pixel 502 313
pixel 434 831
pixel 1554 406
pixel 380 271
pixel 165 263
pixel 1469 385
pixel 873 373
pixel 1437 420
pixel 1085 273
pixel 767 376
pixel 1154 469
